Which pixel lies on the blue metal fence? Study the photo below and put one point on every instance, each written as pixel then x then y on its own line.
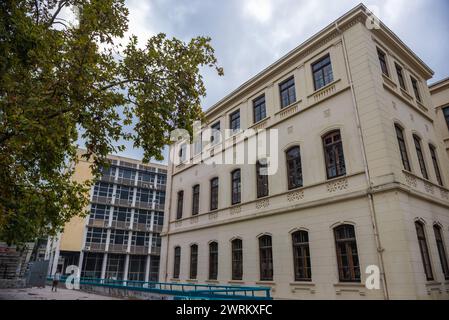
pixel 182 290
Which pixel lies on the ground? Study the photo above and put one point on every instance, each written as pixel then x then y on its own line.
pixel 47 294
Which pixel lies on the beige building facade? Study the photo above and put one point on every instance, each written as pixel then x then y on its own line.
pixel 361 177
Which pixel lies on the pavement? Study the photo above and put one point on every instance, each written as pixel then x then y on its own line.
pixel 47 294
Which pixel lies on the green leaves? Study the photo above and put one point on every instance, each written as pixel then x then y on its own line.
pixel 57 77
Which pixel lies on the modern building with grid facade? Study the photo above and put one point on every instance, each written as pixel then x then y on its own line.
pixel 361 183
pixel 120 238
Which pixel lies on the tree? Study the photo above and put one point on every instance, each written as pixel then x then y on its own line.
pixel 59 78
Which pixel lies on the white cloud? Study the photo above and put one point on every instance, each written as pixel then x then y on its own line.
pixel 260 10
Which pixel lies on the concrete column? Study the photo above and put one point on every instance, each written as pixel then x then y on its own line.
pixel 56 256
pixel 147 269
pixel 125 272
pixel 103 266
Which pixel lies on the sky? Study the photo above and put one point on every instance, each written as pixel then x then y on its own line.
pixel 249 35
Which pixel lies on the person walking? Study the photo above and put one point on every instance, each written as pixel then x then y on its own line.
pixel 56 279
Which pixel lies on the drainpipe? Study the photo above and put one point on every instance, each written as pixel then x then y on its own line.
pixel 367 173
pixel 169 211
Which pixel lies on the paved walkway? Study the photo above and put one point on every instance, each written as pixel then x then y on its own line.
pixel 47 294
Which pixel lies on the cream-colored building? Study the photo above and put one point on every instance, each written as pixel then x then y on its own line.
pixel 440 97
pixel 366 185
pixel 120 238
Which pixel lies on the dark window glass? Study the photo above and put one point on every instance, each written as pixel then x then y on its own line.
pixel 237 259
pixel 177 263
pixel 347 256
pixel 236 187
pixel 446 115
pixel 416 89
pixel 215 138
pixel 287 92
pixel 433 154
pixel 214 194
pixel 196 200
pixel 234 121
pixel 193 261
pixel 383 62
pixel 301 256
pixel 294 170
pixel 180 204
pixel 424 250
pixel 262 179
pixel 400 74
pixel 102 189
pixel 259 109
pixel 213 261
pixel 422 163
pixel 266 258
pixel 322 72
pixel 333 154
pixel 441 251
pixel 402 147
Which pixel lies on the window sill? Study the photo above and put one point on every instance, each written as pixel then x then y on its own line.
pixel 175 280
pixel 236 282
pixel 212 281
pixel 256 124
pixel 266 283
pixel 327 86
pixel 349 284
pixel 406 94
pixel 302 283
pixel 433 283
pixel 192 280
pixel 389 81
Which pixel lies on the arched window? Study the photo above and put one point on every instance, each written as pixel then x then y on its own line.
pixel 294 170
pixel 301 256
pixel 266 258
pixel 213 261
pixel 441 250
pixel 419 153
pixel 193 261
pixel 195 200
pixel 433 154
pixel 402 147
pixel 347 255
pixel 237 259
pixel 180 205
pixel 333 155
pixel 262 179
pixel 177 263
pixel 236 187
pixel 214 194
pixel 424 250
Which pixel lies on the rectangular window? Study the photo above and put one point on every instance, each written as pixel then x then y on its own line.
pixel 141 239
pixel 441 251
pixel 213 261
pixel 446 115
pixel 262 179
pixel 266 258
pixel 402 147
pixel 119 237
pixel 96 235
pixel 236 187
pixel 347 255
pixel 416 89
pixel 333 154
pixel 234 121
pixel 400 74
pixel 124 193
pixel 102 189
pixel 215 138
pixel 287 92
pixel 180 205
pixel 196 200
pixel 294 168
pixel 424 250
pixel 301 256
pixel 419 153
pixel 144 195
pixel 383 62
pixel 259 109
pixel 237 259
pixel 177 263
pixel 322 72
pixel 433 154
pixel 193 261
pixel 214 194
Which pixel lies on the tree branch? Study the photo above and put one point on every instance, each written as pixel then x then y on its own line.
pixel 61 5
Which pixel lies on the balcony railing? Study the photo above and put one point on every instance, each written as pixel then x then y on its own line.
pixel 139 249
pixel 157 228
pixel 121 224
pixel 141 227
pixel 93 246
pixel 98 223
pixel 126 182
pixel 118 248
pixel 123 202
pixel 108 179
pixel 101 200
pixel 156 250
pixel 143 205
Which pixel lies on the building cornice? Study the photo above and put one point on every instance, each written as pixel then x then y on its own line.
pixel 357 15
pixel 439 85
